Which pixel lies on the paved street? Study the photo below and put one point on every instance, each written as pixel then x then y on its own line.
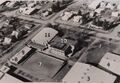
pixel 112 35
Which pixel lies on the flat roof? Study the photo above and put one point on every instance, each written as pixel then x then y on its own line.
pixel 85 73
pixel 94 4
pixel 17 57
pixel 9 79
pixel 111 62
pixel 41 38
pixel 40 66
pixel 57 43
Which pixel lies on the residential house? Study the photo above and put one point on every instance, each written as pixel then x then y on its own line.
pixel 7 41
pixel 47 12
pixel 66 16
pixel 28 9
pixel 94 4
pixel 110 6
pixel 77 19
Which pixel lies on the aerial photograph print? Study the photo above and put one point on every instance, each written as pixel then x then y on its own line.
pixel 59 41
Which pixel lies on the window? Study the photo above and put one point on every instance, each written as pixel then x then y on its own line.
pixel 47 34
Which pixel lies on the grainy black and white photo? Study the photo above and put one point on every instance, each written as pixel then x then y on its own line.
pixel 59 41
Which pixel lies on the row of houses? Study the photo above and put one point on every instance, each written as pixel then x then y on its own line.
pixel 107 14
pixel 28 9
pixel 74 15
pixel 8 5
pixel 35 7
pixel 13 30
pixel 103 15
pixel 43 8
pixel 104 4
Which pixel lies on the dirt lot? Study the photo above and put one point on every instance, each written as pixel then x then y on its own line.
pixel 42 66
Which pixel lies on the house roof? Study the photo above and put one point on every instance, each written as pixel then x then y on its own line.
pixel 109 5
pixel 94 4
pixel 77 18
pixel 59 44
pixel 41 37
pixel 99 10
pixel 115 14
pixel 66 16
pixel 85 73
pixel 29 11
pixel 111 62
pixel 7 40
pixel 15 33
pixel 118 7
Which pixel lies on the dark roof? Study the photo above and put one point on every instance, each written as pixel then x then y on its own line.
pixel 36 46
pixel 57 43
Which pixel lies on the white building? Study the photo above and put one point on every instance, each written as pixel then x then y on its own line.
pixel 44 36
pixel 17 57
pixel 99 10
pixel 6 78
pixel 85 73
pixel 46 13
pixel 94 4
pixel 26 10
pixel 111 62
pixel 103 4
pixel 77 18
pixel 115 14
pixel 22 9
pixel 109 5
pixel 4 69
pixel 15 33
pixel 66 16
pixel 7 41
